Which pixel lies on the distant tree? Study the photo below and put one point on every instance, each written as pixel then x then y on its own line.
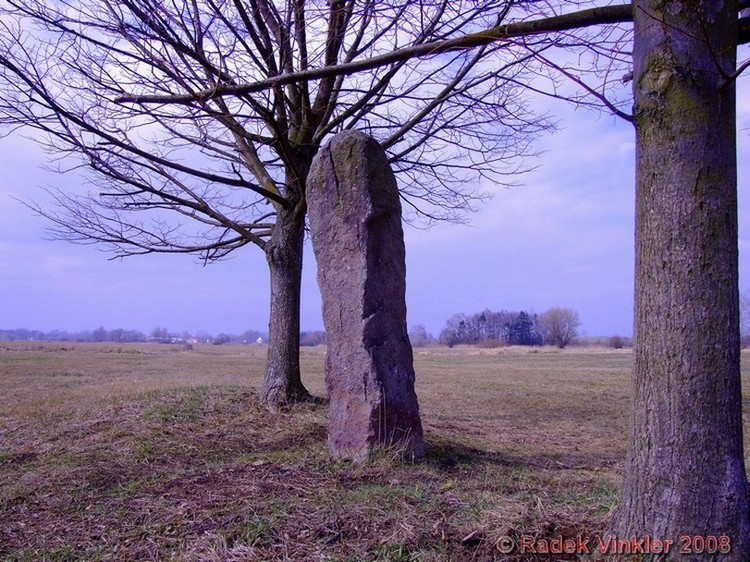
pixel 447 338
pixel 160 334
pixel 311 339
pixel 99 335
pixel 489 325
pixel 521 330
pixel 454 331
pixel 464 331
pixel 617 342
pixel 116 335
pixel 496 326
pixel 559 326
pixel 420 337
pixel 481 320
pixel 221 339
pixel 251 336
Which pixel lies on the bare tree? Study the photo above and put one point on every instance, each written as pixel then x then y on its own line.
pixel 201 173
pixel 559 326
pixel 420 337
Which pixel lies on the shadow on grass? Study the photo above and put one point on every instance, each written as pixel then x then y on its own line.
pixel 447 455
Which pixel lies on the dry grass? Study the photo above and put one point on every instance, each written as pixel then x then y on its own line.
pixel 149 452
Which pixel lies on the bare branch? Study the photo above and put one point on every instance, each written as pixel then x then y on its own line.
pixel 450 121
pixel 591 91
pixel 594 16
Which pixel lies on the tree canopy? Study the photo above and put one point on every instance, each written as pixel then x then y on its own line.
pixel 203 173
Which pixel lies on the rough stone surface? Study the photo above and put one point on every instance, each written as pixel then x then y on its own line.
pixel 355 222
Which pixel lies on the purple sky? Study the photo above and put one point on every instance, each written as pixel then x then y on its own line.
pixel 563 238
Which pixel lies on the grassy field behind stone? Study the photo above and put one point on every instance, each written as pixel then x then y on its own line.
pixel 150 452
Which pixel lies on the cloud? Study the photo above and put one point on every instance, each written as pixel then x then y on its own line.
pixel 563 238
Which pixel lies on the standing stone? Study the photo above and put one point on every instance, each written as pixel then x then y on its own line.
pixel 355 223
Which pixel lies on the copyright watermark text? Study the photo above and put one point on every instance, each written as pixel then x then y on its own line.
pixel 687 544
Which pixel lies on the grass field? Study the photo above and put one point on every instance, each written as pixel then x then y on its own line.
pixel 150 452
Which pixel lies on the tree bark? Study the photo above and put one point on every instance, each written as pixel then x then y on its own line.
pixel 685 473
pixel 283 384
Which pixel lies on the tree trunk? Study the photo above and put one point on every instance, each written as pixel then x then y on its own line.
pixel 282 384
pixel 685 473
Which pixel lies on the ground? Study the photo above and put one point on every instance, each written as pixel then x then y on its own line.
pixel 152 452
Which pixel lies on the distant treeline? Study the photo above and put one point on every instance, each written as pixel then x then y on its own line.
pixel 510 328
pixel 100 334
pixel 120 335
pixel 557 326
pixel 313 338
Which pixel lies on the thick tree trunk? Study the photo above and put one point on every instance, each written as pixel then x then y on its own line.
pixel 685 474
pixel 282 384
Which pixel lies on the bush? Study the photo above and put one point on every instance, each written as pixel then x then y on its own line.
pixel 221 339
pixel 617 342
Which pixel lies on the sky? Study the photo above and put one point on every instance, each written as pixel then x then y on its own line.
pixel 563 238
